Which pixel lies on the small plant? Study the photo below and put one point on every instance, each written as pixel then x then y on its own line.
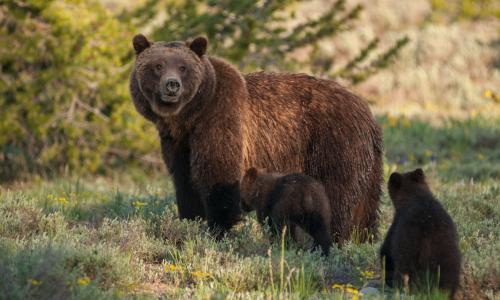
pixel 466 9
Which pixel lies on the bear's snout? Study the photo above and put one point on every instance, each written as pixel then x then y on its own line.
pixel 170 89
pixel 172 86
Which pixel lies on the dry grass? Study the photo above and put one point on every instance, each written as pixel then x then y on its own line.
pixel 443 72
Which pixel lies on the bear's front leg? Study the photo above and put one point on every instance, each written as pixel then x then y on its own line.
pixel 216 162
pixel 176 155
pixel 222 207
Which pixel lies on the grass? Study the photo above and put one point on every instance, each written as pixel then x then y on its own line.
pixel 120 238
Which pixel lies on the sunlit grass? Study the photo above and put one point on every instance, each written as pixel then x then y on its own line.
pixel 79 237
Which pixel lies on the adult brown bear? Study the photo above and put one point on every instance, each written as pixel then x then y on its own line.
pixel 215 123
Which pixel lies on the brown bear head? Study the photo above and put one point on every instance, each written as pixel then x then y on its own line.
pixel 407 186
pixel 254 188
pixel 169 74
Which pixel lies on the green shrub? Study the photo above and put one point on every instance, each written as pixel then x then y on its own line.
pixel 63 96
pixel 45 271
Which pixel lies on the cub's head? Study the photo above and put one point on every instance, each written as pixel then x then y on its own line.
pixel 254 188
pixel 249 190
pixel 404 187
pixel 168 74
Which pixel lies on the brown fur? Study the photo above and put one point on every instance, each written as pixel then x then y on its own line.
pixel 422 242
pixel 282 122
pixel 292 200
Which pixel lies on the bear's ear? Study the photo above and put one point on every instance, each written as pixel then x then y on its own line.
pixel 198 45
pixel 418 175
pixel 141 43
pixel 395 181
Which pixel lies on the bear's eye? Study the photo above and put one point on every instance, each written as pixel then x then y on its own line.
pixel 182 69
pixel 158 67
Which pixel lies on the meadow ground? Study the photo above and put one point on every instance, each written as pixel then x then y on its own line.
pixel 118 237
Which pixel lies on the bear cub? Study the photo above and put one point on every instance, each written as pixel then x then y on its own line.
pixel 421 246
pixel 292 200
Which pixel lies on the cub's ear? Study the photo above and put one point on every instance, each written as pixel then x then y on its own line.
pixel 395 181
pixel 198 45
pixel 141 43
pixel 418 175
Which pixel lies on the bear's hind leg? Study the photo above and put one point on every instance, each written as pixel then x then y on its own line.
pixel 320 232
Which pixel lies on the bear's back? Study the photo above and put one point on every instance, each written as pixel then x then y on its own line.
pixel 298 193
pixel 289 90
pixel 426 227
pixel 427 217
pixel 287 113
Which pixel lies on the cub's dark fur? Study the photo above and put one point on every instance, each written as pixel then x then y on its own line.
pixel 289 200
pixel 421 246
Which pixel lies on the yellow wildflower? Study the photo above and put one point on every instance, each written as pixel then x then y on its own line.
pixel 348 288
pixel 62 200
pixel 481 157
pixel 488 94
pixel 83 281
pixel 405 122
pixel 35 282
pixel 351 290
pixel 139 204
pixel 368 274
pixel 171 268
pixel 393 121
pixel 200 274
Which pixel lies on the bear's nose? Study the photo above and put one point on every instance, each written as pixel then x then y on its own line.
pixel 173 85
